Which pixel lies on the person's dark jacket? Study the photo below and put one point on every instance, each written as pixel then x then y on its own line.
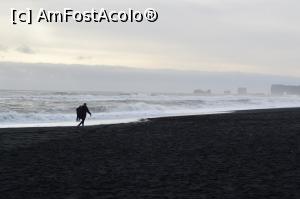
pixel 85 110
pixel 81 112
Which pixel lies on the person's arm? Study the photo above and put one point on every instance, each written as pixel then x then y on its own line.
pixel 88 111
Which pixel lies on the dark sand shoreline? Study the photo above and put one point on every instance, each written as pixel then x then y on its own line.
pixel 246 154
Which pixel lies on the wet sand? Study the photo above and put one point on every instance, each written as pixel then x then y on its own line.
pixel 248 154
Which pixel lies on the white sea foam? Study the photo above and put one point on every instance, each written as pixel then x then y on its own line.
pixel 37 108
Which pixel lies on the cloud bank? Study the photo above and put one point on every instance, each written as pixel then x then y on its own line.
pixel 112 78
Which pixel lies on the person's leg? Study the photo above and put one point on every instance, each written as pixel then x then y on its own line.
pixel 81 122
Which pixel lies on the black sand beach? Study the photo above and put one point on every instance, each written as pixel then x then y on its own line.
pixel 250 154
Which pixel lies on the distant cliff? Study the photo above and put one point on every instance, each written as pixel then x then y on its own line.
pixel 278 89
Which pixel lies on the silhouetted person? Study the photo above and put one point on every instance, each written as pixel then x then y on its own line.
pixel 81 113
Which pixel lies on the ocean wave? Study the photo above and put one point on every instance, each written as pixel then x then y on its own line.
pixel 44 107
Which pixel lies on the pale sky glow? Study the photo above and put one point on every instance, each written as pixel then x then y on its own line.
pixel 249 36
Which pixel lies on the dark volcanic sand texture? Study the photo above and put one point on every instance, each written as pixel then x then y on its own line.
pixel 242 155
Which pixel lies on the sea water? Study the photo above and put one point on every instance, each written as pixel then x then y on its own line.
pixel 50 108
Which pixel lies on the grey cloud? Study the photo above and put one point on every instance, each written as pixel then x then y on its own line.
pixel 25 49
pixel 84 57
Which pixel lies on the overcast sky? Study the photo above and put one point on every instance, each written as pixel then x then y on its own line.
pixel 248 36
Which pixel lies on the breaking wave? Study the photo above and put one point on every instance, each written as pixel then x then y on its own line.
pixel 21 108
